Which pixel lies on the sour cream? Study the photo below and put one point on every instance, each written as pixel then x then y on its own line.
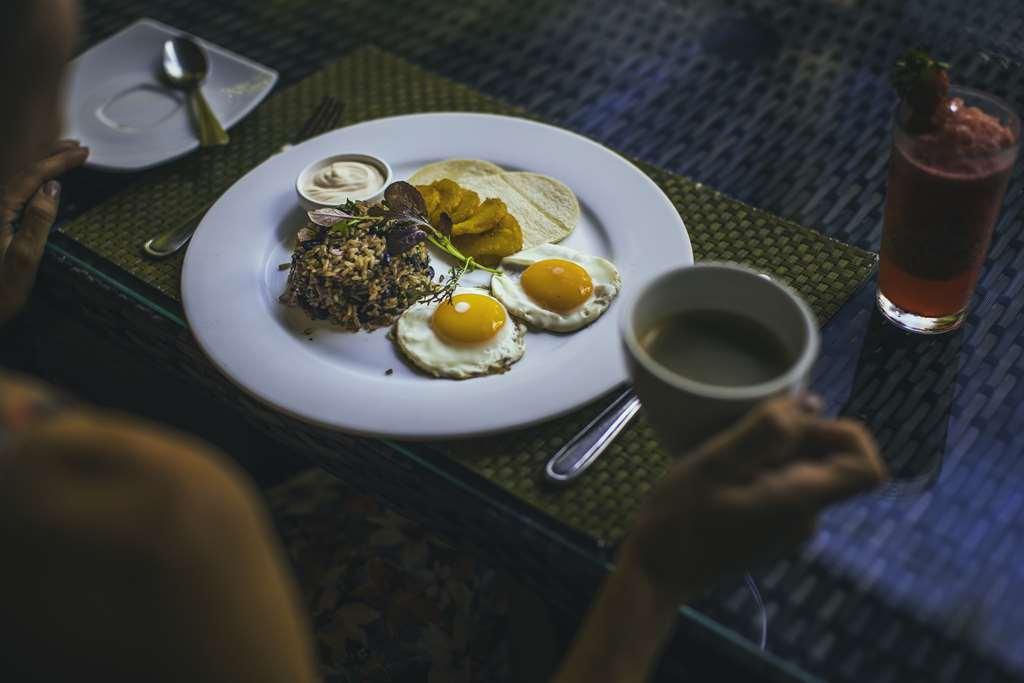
pixel 343 180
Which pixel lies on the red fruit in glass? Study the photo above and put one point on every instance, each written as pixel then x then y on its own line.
pixel 945 190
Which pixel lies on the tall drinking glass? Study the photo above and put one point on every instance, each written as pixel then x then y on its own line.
pixel 944 194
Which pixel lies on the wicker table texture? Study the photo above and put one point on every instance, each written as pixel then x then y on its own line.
pixel 783 106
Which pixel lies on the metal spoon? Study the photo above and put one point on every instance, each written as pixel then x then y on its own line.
pixel 185 66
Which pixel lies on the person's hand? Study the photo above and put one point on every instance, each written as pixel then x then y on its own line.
pixel 750 491
pixel 32 197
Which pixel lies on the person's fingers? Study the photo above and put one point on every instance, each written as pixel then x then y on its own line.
pixel 10 206
pixel 768 435
pixel 21 188
pixel 812 404
pixel 39 215
pixel 822 438
pixel 63 145
pixel 21 259
pixel 811 486
pixel 60 163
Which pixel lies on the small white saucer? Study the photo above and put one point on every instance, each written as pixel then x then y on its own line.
pixel 118 106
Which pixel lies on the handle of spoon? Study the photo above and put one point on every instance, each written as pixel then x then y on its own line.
pixel 211 133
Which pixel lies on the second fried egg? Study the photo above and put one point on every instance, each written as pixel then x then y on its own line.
pixel 556 288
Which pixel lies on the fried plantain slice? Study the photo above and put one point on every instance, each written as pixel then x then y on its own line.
pixel 431 198
pixel 468 206
pixel 450 194
pixel 490 247
pixel 486 217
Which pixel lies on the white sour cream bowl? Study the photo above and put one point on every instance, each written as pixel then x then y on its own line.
pixel 341 177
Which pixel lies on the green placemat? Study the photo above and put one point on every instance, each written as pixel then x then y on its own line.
pixel 373 84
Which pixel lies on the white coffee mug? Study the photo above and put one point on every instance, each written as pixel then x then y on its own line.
pixel 683 411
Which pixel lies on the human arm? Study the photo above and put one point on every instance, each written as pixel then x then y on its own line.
pixel 751 491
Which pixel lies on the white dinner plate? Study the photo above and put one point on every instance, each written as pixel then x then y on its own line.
pixel 231 283
pixel 117 105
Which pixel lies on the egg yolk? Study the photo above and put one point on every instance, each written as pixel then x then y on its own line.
pixel 557 285
pixel 468 318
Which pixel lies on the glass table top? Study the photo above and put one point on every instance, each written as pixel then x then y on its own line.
pixel 785 106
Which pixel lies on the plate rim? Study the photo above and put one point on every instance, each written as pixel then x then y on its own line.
pixel 432 435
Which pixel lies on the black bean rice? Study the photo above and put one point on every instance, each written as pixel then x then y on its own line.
pixel 351 280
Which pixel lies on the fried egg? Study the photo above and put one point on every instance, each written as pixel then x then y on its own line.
pixel 469 336
pixel 556 288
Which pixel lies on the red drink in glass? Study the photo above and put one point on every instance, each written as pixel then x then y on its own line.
pixel 944 194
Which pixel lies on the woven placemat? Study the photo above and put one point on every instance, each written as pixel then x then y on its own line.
pixel 374 84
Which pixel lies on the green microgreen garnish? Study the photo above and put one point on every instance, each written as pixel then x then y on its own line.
pixel 342 219
pixel 445 289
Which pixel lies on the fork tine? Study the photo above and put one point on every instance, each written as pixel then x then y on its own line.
pixel 301 134
pixel 324 124
pixel 330 119
pixel 310 126
pixel 339 111
pixel 318 127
